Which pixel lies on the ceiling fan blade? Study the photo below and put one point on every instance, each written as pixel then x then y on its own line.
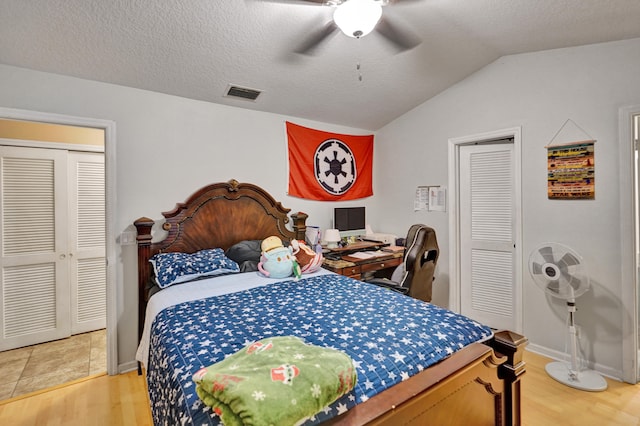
pixel 337 2
pixel 308 46
pixel 401 39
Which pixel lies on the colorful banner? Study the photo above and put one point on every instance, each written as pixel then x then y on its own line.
pixel 571 171
pixel 329 166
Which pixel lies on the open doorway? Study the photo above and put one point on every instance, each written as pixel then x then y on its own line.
pixel 629 123
pixel 94 299
pixel 635 131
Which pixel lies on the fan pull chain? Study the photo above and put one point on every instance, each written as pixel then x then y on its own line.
pixel 358 68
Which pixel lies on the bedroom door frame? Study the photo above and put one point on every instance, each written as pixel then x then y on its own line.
pixel 629 249
pixel 109 128
pixel 454 215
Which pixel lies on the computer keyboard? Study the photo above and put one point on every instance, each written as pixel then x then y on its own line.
pixel 333 256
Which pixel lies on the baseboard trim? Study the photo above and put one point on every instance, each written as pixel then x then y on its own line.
pixel 561 356
pixel 127 367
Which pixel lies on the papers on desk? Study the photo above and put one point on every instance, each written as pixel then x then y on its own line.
pixel 393 249
pixel 366 254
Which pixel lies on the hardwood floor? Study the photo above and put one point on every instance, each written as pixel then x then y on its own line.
pixel 548 402
pixel 99 400
pixel 122 400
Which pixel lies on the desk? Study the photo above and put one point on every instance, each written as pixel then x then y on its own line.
pixel 359 268
pixel 357 246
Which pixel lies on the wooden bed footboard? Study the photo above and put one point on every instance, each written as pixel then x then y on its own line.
pixel 478 385
pixel 512 346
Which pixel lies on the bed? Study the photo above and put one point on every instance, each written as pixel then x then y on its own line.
pixel 190 325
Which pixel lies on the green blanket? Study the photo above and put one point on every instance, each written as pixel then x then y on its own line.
pixel 275 381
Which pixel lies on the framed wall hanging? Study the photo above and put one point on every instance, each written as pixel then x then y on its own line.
pixel 571 169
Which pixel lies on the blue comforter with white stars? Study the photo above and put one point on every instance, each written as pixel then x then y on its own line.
pixel 390 337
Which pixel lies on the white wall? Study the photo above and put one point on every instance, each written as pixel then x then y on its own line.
pixel 157 133
pixel 167 147
pixel 539 92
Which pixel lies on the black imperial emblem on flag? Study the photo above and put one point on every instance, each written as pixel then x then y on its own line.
pixel 335 166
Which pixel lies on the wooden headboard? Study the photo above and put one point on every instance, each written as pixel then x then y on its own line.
pixel 218 215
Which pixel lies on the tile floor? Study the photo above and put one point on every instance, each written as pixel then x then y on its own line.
pixel 41 366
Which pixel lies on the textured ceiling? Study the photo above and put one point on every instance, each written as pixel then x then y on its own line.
pixel 197 48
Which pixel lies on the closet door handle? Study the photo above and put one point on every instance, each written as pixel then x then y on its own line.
pixel 62 256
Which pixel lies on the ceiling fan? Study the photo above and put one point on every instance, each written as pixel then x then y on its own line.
pixel 357 18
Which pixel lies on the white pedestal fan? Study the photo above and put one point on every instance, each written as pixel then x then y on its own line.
pixel 560 272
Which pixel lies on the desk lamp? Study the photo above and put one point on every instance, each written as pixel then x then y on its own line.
pixel 332 237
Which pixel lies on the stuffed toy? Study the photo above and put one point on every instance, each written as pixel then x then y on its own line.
pixel 309 260
pixel 277 261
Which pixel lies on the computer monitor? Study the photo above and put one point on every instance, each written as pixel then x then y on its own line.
pixel 350 221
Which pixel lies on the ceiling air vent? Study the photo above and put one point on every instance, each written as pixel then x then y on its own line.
pixel 243 93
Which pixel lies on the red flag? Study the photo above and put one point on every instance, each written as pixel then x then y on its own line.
pixel 329 166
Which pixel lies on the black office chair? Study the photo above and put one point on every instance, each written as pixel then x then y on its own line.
pixel 414 276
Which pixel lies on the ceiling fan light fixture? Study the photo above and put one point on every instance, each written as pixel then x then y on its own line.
pixel 357 18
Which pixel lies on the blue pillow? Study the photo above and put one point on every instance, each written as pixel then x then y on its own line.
pixel 173 268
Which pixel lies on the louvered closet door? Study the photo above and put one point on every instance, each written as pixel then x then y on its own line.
pixel 34 288
pixel 487 234
pixel 87 242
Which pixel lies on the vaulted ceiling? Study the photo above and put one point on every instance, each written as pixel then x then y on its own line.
pixel 198 48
